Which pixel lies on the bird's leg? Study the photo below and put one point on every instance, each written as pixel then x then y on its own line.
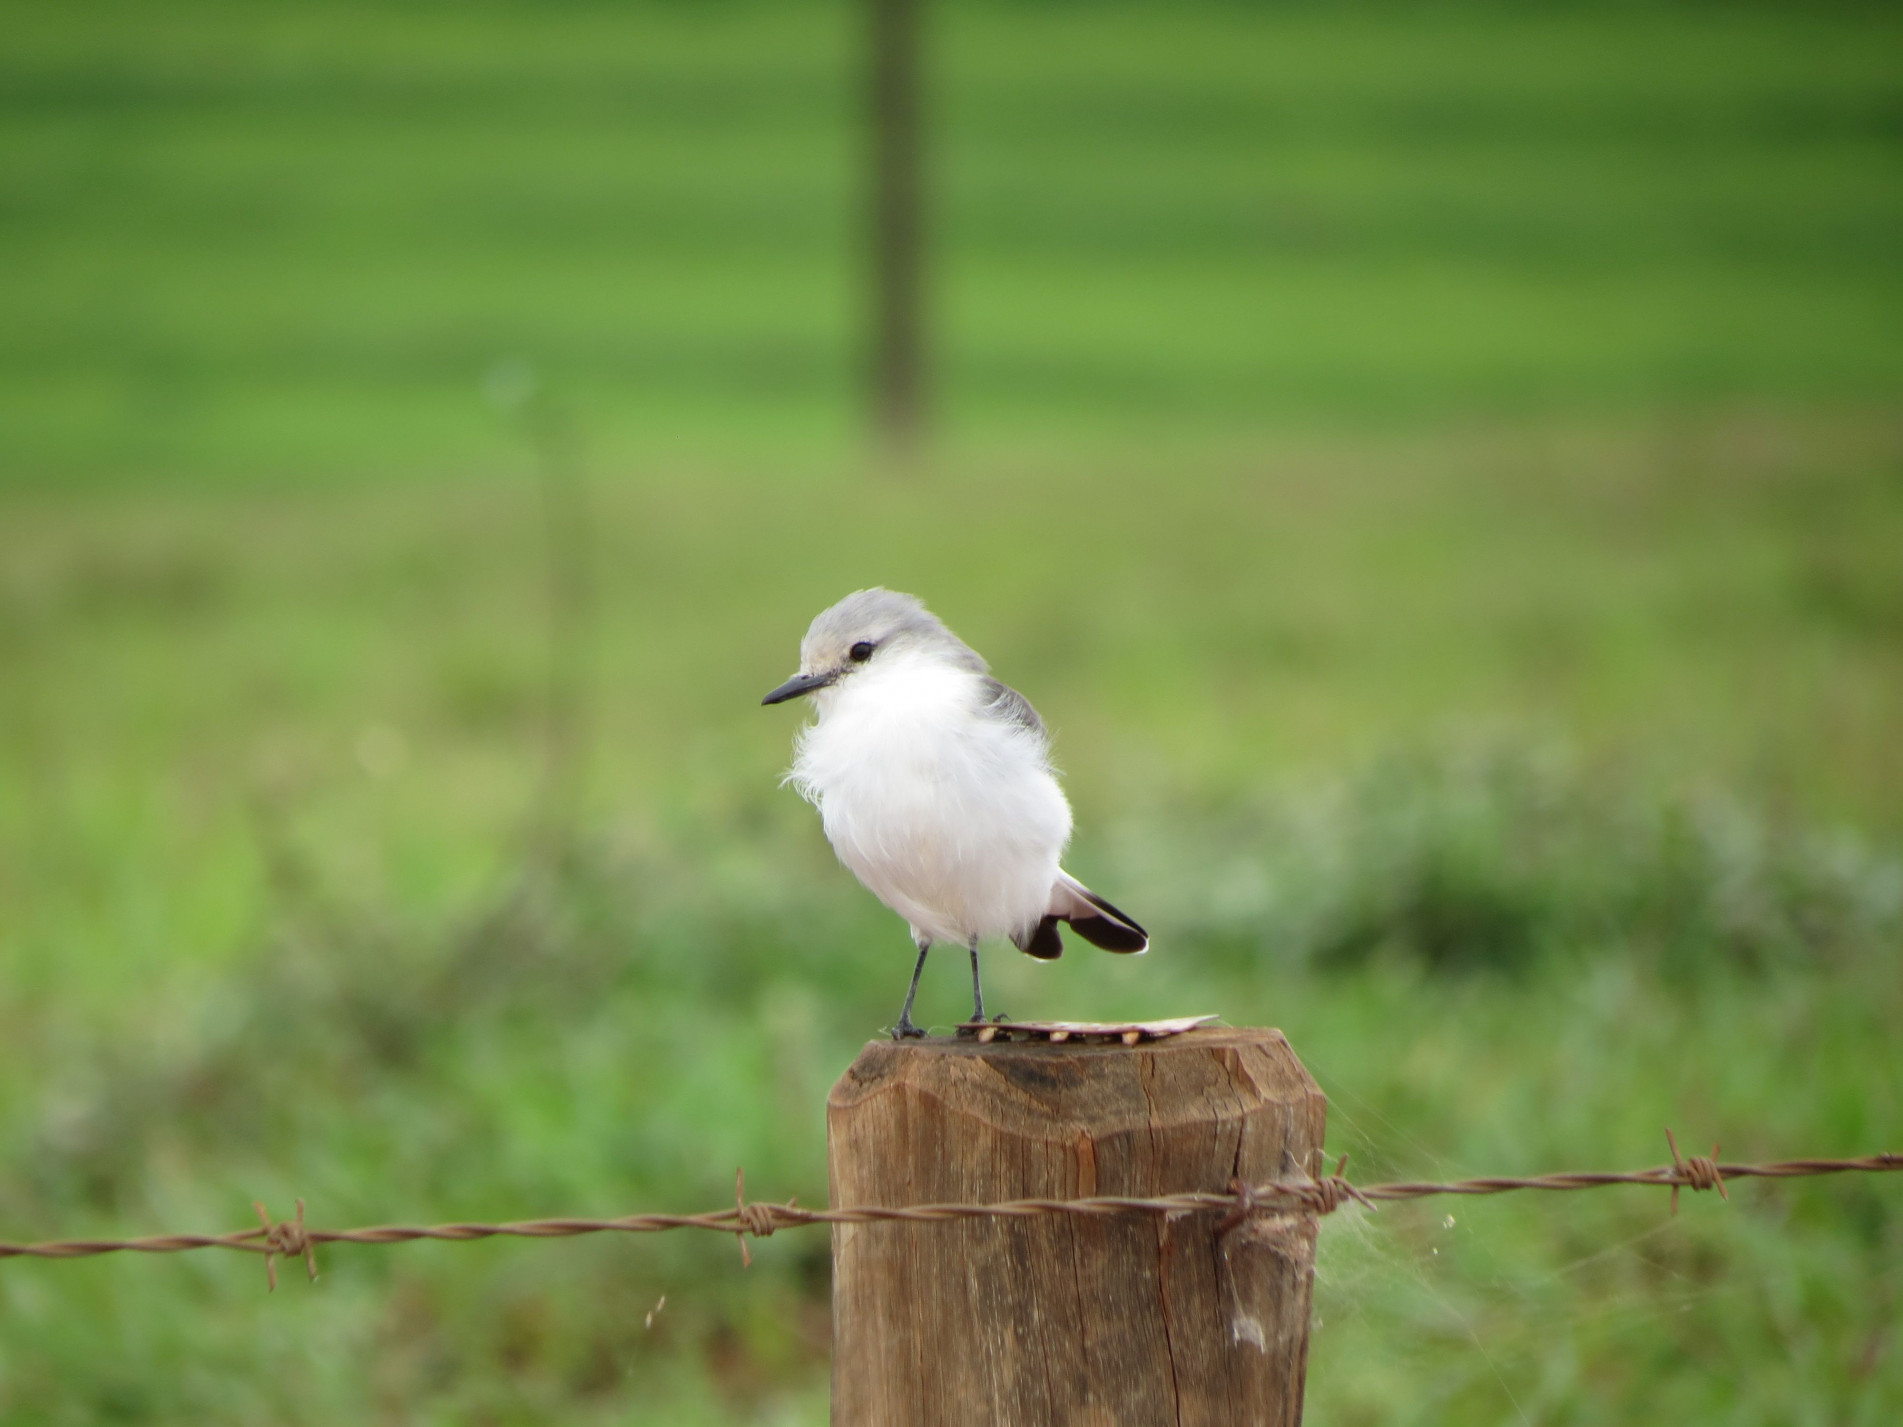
pixel 977 991
pixel 905 1029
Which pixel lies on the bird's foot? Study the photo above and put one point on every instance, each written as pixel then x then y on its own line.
pixel 905 1030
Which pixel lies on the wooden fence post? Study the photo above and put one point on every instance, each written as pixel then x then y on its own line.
pixel 1061 1320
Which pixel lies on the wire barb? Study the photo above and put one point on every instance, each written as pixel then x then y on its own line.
pixel 288 1238
pixel 759 1220
pixel 1317 1195
pixel 1327 1194
pixel 1695 1173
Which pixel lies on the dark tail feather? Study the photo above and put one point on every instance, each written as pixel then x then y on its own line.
pixel 1043 942
pixel 1114 932
pixel 1093 919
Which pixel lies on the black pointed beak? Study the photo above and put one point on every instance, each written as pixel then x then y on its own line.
pixel 797 685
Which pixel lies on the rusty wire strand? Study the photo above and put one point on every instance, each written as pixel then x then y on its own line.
pixel 1311 1195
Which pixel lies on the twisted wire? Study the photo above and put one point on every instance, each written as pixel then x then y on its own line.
pixel 1310 1195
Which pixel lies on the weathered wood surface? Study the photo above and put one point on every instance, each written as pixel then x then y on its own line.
pixel 1082 1322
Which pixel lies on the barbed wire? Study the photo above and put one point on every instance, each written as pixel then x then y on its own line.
pixel 1313 1195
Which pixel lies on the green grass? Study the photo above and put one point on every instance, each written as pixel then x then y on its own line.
pixel 1437 472
pixel 258 242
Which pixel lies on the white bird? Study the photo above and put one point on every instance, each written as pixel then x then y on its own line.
pixel 934 784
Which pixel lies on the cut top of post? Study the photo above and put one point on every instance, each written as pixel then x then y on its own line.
pixel 1043 1091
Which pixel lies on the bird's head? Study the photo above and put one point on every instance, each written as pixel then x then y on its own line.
pixel 863 629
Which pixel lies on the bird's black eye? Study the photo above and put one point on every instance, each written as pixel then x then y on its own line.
pixel 860 652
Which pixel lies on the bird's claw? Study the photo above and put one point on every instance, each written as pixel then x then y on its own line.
pixel 905 1030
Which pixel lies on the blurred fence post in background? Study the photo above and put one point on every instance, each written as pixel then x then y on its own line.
pixel 897 236
pixel 515 388
pixel 1194 1320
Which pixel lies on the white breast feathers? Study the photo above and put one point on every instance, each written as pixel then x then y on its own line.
pixel 943 805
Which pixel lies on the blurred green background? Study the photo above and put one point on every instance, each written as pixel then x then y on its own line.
pixel 1438 469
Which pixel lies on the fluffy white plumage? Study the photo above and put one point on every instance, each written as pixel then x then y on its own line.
pixel 949 814
pixel 934 784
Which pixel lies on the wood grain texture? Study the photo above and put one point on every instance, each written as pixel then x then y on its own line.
pixel 1082 1322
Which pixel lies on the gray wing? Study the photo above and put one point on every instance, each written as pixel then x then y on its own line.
pixel 1007 705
